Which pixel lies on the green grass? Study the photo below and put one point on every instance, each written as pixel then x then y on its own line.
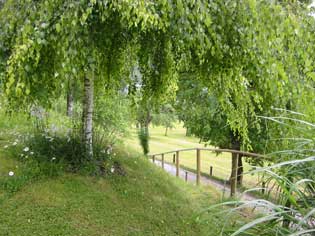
pixel 177 139
pixel 146 201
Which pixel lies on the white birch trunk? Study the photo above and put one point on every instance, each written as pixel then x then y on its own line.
pixel 70 99
pixel 87 116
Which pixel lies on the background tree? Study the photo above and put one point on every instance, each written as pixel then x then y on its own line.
pixel 165 116
pixel 263 58
pixel 201 113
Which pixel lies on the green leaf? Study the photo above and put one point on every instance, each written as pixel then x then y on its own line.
pixel 58 27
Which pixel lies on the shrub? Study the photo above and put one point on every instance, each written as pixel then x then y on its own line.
pixel 143 134
pixel 68 150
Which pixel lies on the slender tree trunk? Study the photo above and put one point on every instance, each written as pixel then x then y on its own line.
pixel 188 133
pixel 166 129
pixel 236 145
pixel 70 99
pixel 144 138
pixel 240 171
pixel 87 116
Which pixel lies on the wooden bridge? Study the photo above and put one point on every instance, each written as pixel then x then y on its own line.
pixel 233 179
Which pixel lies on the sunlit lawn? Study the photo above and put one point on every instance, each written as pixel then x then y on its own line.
pixel 145 201
pixel 177 139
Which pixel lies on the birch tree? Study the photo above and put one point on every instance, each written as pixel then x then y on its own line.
pixel 245 50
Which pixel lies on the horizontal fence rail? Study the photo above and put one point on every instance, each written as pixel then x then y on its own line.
pixel 234 164
pixel 246 154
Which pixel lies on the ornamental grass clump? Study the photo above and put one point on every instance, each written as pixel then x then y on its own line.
pixel 290 187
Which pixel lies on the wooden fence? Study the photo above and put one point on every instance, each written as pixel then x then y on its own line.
pixel 235 158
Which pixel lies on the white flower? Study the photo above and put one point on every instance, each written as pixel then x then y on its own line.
pixel 112 169
pixel 43 25
pixel 54 128
pixel 26 149
pixel 114 153
pixel 109 149
pixel 14 144
pixel 11 173
pixel 26 156
pixel 54 158
pixel 6 146
pixel 31 153
pixel 38 112
pixel 22 155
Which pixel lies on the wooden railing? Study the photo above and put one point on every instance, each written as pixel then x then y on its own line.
pixel 235 158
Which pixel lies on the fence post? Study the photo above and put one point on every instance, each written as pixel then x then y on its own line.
pixel 162 161
pixel 174 158
pixel 186 176
pixel 153 158
pixel 177 163
pixel 211 170
pixel 198 167
pixel 234 174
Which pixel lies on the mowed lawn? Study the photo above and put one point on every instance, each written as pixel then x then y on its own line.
pixel 176 139
pixel 146 201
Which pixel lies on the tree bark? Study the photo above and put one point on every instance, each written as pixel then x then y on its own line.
pixel 87 116
pixel 236 145
pixel 166 129
pixel 70 99
pixel 188 133
pixel 144 131
pixel 240 170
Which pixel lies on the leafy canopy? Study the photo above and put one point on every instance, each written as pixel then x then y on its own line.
pixel 249 52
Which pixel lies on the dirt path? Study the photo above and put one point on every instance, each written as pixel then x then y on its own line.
pixel 191 177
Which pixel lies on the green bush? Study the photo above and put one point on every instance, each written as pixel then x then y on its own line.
pixel 68 151
pixel 112 118
pixel 143 134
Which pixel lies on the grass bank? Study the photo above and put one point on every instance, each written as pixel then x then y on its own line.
pixel 146 201
pixel 143 201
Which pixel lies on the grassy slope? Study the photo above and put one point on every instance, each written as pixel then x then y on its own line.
pixel 145 202
pixel 177 139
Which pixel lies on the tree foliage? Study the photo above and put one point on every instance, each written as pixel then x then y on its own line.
pixel 251 53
